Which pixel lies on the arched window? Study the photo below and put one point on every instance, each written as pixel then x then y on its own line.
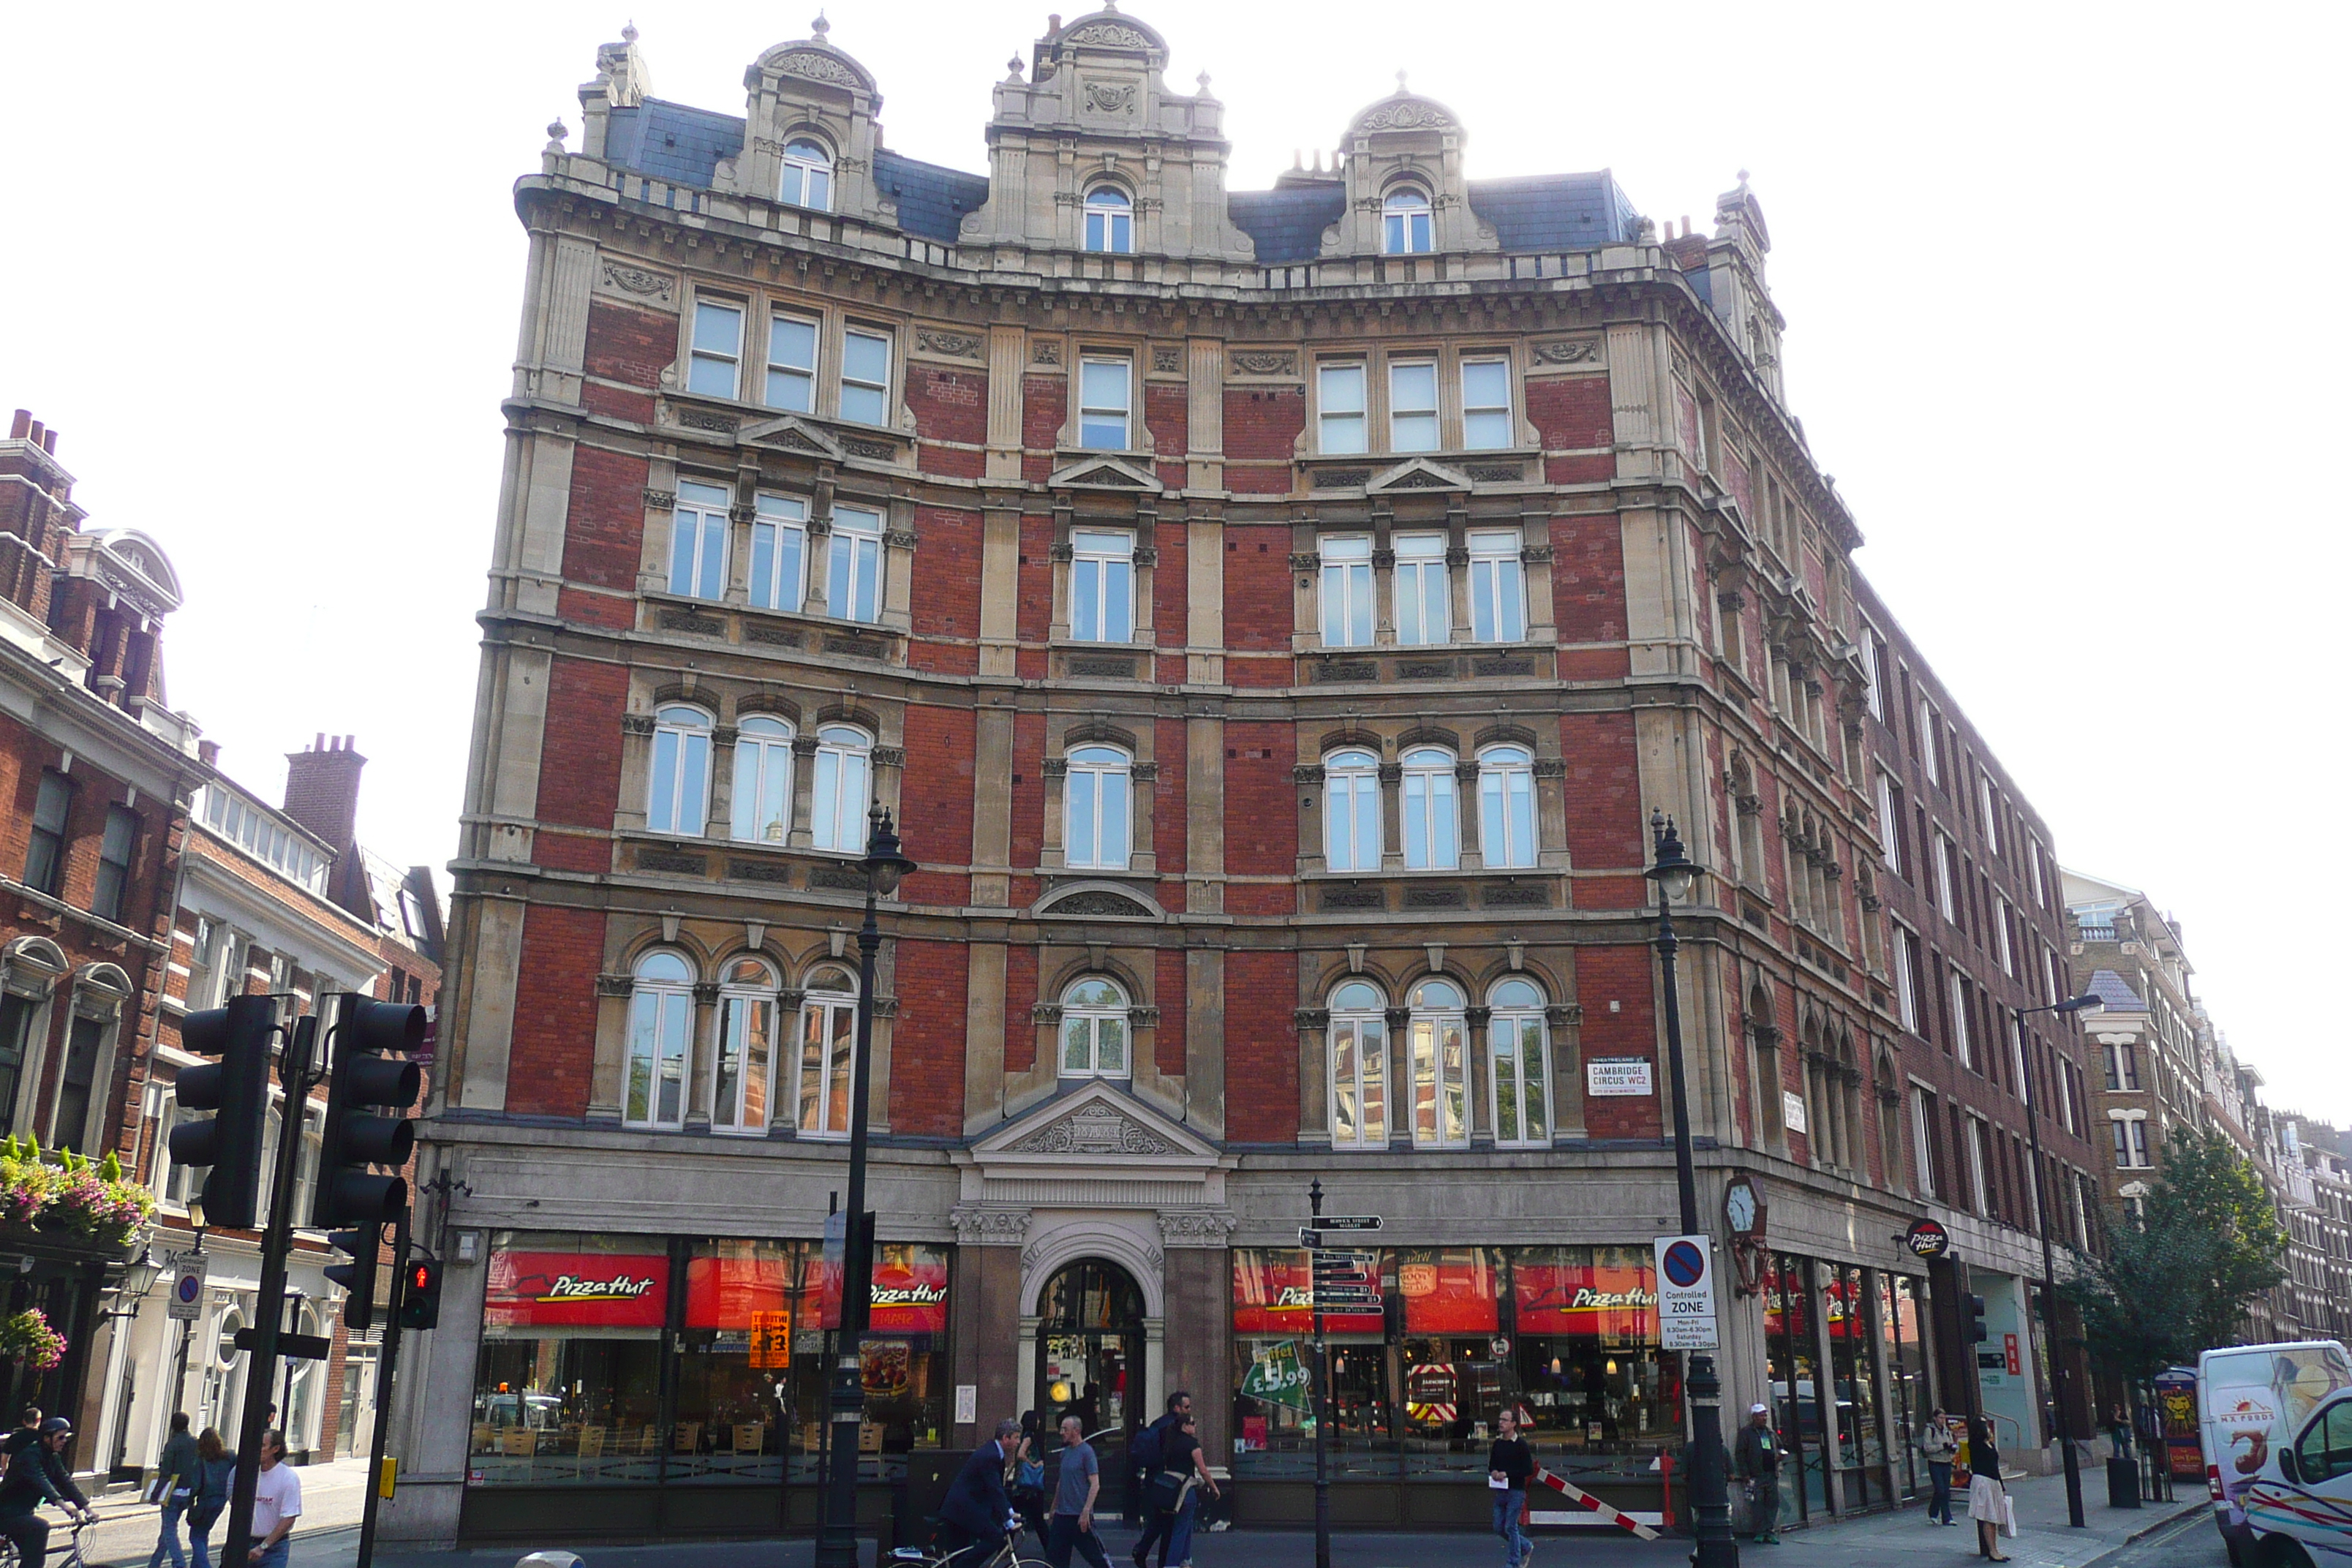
pixel 807 178
pixel 677 795
pixel 1094 1031
pixel 1432 832
pixel 1507 806
pixel 1359 1068
pixel 1404 223
pixel 843 789
pixel 828 1045
pixel 661 1023
pixel 1441 1067
pixel 1516 1054
pixel 747 1031
pixel 762 805
pixel 1096 813
pixel 1110 220
pixel 1351 812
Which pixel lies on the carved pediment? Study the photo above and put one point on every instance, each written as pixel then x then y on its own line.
pixel 1104 474
pixel 1420 474
pixel 788 433
pixel 1097 1129
pixel 1096 1124
pixel 1099 897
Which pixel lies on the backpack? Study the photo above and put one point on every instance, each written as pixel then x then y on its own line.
pixel 1145 1453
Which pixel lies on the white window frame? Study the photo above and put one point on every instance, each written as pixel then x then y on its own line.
pixel 1981 1194
pixel 854 564
pixel 791 377
pixel 1873 688
pixel 698 541
pixel 714 366
pixel 1098 809
pixel 1099 419
pixel 2034 856
pixel 864 398
pixel 1423 590
pixel 1487 426
pixel 1507 786
pixel 1433 1024
pixel 665 1003
pixel 1348 605
pixel 1963 1041
pixel 760 809
pixel 843 789
pixel 1499 589
pixel 1342 417
pixel 1519 1045
pixel 1989 806
pixel 1102 585
pixel 1109 221
pixel 779 573
pixel 1947 896
pixel 681 765
pixel 1085 1024
pixel 1907 983
pixel 1890 841
pixel 1352 837
pixel 805 176
pixel 1401 441
pixel 2003 911
pixel 1408 223
pixel 1930 741
pixel 1364 1078
pixel 1427 795
pixel 747 1008
pixel 1923 1151
pixel 828 1019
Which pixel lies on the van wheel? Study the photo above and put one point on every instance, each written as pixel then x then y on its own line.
pixel 2282 1552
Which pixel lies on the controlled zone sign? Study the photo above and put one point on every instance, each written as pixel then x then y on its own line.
pixel 1685 1293
pixel 188 1269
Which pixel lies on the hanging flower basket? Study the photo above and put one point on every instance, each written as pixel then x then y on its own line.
pixel 66 1197
pixel 27 1340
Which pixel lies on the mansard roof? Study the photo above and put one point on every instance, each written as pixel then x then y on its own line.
pixel 932 201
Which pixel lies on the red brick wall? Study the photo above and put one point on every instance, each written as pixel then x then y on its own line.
pixel 1261 799
pixel 1263 424
pixel 927 1040
pixel 1168 797
pixel 1034 614
pixel 1261 1047
pixel 1045 403
pixel 1605 815
pixel 1028 789
pixel 1258 596
pixel 1588 579
pixel 554 1039
pixel 580 771
pixel 1168 594
pixel 1165 415
pixel 935 800
pixel 1020 996
pixel 950 406
pixel 946 598
pixel 1571 411
pixel 604 533
pixel 1622 976
pixel 1168 985
pixel 628 344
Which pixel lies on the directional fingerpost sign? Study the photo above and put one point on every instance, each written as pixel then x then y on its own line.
pixel 1685 1293
pixel 1349 1222
pixel 1346 1278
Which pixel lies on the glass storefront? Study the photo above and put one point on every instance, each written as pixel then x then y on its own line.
pixel 619 1359
pixel 1790 1353
pixel 1903 1321
pixel 1566 1336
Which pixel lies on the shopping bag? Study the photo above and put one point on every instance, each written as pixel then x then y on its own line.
pixel 2007 1515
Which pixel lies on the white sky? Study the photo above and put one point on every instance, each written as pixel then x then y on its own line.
pixel 2056 279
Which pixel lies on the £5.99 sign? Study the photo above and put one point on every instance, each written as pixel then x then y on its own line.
pixel 1685 1293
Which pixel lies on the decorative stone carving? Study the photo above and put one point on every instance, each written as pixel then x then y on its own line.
pixel 899 538
pixel 1306 773
pixel 1058 767
pixel 661 501
pixel 1315 1019
pixel 637 724
pixel 1167 361
pixel 955 345
pixel 1477 1018
pixel 1196 1227
pixel 880 451
pixel 1097 1129
pixel 1265 362
pixel 840 878
pixel 1304 563
pixel 1419 479
pixel 1048 352
pixel 818 67
pixel 1397 1018
pixel 1110 96
pixel 1143 1018
pixel 1108 36
pixel 980 1226
pixel 1496 473
pixel 640 281
pixel 1146 555
pixel 1107 668
pixel 1570 350
pixel 612 986
pixel 1101 901
pixel 1340 478
pixel 1421 896
pixel 741 512
pixel 1144 773
pixel 1535 555
pixel 1552 767
pixel 687 621
pixel 1564 1015
pixel 704 419
pixel 1409 114
pixel 1045 1013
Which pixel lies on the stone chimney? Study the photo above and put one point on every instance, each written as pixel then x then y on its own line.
pixel 322 789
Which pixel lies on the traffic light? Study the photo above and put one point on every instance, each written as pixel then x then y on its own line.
pixel 420 1293
pixel 364 1085
pixel 1972 1319
pixel 235 1089
pixel 358 1277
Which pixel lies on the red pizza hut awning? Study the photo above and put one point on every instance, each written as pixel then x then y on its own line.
pixel 1611 1301
pixel 576 1290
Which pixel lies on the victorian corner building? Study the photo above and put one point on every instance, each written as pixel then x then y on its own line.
pixel 1273 616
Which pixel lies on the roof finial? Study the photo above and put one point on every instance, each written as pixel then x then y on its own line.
pixel 820 27
pixel 1400 81
pixel 1203 81
pixel 556 134
pixel 1743 179
pixel 629 31
pixel 1013 66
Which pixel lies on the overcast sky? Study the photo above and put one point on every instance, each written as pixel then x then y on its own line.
pixel 2061 320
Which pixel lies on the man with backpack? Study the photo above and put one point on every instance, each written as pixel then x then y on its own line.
pixel 1143 1458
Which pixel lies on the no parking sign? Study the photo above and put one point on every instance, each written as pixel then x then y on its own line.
pixel 1685 1293
pixel 187 1287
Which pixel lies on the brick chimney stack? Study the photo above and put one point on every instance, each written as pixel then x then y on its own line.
pixel 322 789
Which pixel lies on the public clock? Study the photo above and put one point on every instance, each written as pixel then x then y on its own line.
pixel 1743 1206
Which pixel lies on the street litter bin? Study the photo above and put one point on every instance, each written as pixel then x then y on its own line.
pixel 2123 1483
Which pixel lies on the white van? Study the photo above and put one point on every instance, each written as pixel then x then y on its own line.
pixel 2276 1422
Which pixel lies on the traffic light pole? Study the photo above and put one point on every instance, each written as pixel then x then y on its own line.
pixel 384 1362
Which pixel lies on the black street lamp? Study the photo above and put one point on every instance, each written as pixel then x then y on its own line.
pixel 1710 1493
pixel 836 1546
pixel 2089 1002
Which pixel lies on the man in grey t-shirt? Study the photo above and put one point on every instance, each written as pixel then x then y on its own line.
pixel 1073 1501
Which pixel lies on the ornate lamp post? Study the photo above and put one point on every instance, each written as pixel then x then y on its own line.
pixel 836 1546
pixel 2089 1002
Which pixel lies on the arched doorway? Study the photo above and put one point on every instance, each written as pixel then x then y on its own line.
pixel 1090 1358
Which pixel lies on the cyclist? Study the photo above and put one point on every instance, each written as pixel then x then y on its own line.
pixel 39 1474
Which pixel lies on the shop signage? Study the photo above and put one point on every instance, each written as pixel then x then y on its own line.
pixel 573 1289
pixel 2009 1355
pixel 1347 1279
pixel 1927 1238
pixel 1630 1076
pixel 1278 1376
pixel 1349 1222
pixel 1274 1293
pixel 1452 1291
pixel 1685 1293
pixel 1792 1110
pixel 771 1341
pixel 1604 1300
pixel 187 1287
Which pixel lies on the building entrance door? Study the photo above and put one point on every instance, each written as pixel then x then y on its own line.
pixel 1090 1361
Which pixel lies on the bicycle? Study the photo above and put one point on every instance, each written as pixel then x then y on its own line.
pixel 1006 1555
pixel 74 1553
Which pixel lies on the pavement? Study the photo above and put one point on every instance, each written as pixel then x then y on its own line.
pixel 332 1495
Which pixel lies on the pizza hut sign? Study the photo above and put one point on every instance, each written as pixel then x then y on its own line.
pixel 576 1290
pixel 620 1288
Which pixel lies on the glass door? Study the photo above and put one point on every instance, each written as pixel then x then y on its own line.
pixel 1090 1363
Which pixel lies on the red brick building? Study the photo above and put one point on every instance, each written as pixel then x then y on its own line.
pixel 1274 617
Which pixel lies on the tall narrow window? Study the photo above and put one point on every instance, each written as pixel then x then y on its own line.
pixel 828 1046
pixel 1351 812
pixel 1872 692
pixel 807 177
pixel 1348 591
pixel 1404 223
pixel 853 583
pixel 1922 1146
pixel 114 852
pixel 1105 400
pixel 1989 809
pixel 1890 820
pixel 1947 880
pixel 1906 980
pixel 1359 1068
pixel 1498 599
pixel 1963 1036
pixel 45 851
pixel 16 1017
pixel 1507 806
pixel 740 1078
pixel 1413 406
pixel 1425 609
pixel 762 802
pixel 1515 1034
pixel 1440 1098
pixel 661 1023
pixel 1096 812
pixel 1486 404
pixel 1102 585
pixel 1340 409
pixel 1094 1031
pixel 678 791
pixel 1930 742
pixel 2002 915
pixel 779 552
pixel 713 367
pixel 1110 220
pixel 1432 833
pixel 864 377
pixel 791 364
pixel 842 788
pixel 86 1041
pixel 698 541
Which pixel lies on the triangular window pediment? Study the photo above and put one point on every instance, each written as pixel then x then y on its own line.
pixel 1104 474
pixel 1097 1123
pixel 788 433
pixel 1420 474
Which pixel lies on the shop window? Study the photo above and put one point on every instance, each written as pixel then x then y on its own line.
pixel 1507 806
pixel 1405 228
pixel 678 793
pixel 1795 1383
pixel 1861 1438
pixel 1360 1063
pixel 1432 833
pixel 1097 813
pixel 853 587
pixel 779 552
pixel 1413 406
pixel 1498 600
pixel 838 804
pixel 791 364
pixel 1424 607
pixel 761 803
pixel 568 1381
pixel 1102 585
pixel 1110 220
pixel 1440 1067
pixel 1348 591
pixel 715 361
pixel 828 1046
pixel 1095 1031
pixel 1591 1376
pixel 1340 409
pixel 661 1027
pixel 864 377
pixel 44 852
pixel 807 177
pixel 1351 812
pixel 1516 1066
pixel 740 1076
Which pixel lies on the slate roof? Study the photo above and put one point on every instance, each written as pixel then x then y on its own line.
pixel 672 141
pixel 1554 212
pixel 1288 222
pixel 2115 992
pixel 932 201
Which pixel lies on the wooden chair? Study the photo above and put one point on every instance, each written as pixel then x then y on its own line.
pixel 650 1440
pixel 483 1442
pixel 592 1442
pixel 686 1438
pixel 518 1442
pixel 750 1437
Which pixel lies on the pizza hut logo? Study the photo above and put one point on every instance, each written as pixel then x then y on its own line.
pixel 1295 1296
pixel 916 1295
pixel 1588 1299
pixel 573 1288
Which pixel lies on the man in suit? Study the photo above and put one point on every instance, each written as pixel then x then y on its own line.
pixel 978 1511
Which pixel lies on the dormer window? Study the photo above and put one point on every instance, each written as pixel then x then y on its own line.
pixel 1110 220
pixel 1405 224
pixel 807 178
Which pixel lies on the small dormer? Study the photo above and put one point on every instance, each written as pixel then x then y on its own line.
pixel 1407 193
pixel 810 133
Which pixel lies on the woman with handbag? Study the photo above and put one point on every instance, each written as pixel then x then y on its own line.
pixel 1026 1484
pixel 174 1487
pixel 216 1474
pixel 1987 1499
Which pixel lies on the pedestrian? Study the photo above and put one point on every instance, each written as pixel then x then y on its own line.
pixel 1075 1491
pixel 1986 1494
pixel 176 1472
pixel 2119 1432
pixel 277 1504
pixel 976 1512
pixel 27 1433
pixel 216 1474
pixel 1028 1488
pixel 1172 1493
pixel 1143 1459
pixel 1757 1460
pixel 39 1474
pixel 1509 1465
pixel 1937 1445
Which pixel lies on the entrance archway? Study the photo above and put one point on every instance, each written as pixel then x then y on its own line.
pixel 1090 1349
